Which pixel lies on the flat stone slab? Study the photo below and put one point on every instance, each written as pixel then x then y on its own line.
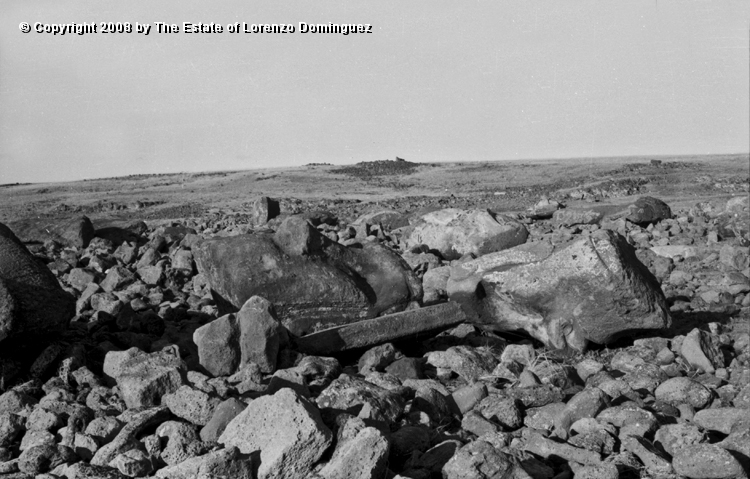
pixel 379 330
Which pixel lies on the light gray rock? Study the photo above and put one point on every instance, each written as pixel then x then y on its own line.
pixel 702 461
pixel 285 428
pixel 225 463
pixel 456 232
pixel 363 456
pixel 193 405
pixel 561 300
pixel 145 378
pixel 683 390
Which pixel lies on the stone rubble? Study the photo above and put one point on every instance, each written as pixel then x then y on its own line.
pixel 119 358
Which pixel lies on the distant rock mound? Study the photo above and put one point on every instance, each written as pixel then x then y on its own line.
pixel 379 168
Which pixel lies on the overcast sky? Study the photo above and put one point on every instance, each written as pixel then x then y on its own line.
pixel 435 81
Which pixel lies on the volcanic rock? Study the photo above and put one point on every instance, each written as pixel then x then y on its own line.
pixel 593 290
pixel 312 282
pixel 285 428
pixel 31 300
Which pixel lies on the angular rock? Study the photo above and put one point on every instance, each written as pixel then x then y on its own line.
pixel 562 300
pixel 353 395
pixel 144 379
pixel 456 232
pixel 263 210
pixel 383 329
pixel 222 415
pixel 285 428
pixel 191 404
pixel 32 303
pixel 478 460
pixel 226 463
pixel 469 363
pixel 572 217
pixel 312 282
pixel 363 456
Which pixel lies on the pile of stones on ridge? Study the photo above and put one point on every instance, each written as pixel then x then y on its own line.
pixel 553 343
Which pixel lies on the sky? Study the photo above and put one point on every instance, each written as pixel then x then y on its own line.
pixel 434 81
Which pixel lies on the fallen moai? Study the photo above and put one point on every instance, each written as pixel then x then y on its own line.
pixel 313 282
pixel 593 290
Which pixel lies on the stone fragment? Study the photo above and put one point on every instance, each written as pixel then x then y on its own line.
pixel 456 232
pixel 683 390
pixel 541 446
pixel 191 404
pixel 363 456
pixel 285 428
pixel 224 463
pixel 144 379
pixel 469 363
pixel 350 394
pixel 222 415
pixel 572 217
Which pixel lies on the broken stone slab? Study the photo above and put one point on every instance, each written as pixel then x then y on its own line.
pixel 313 282
pixel 455 232
pixel 380 330
pixel 593 290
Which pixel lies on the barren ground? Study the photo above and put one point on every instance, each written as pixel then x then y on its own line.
pixel 353 190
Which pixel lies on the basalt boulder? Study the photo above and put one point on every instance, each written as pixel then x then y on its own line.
pixel 312 282
pixel 454 232
pixel 31 300
pixel 593 290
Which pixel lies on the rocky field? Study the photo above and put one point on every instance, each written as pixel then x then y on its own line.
pixel 580 318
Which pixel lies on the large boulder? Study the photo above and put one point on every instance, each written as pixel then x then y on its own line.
pixel 31 300
pixel 593 290
pixel 286 429
pixel 312 282
pixel 454 232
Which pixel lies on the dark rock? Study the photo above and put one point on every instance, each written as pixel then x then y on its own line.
pixel 31 300
pixel 312 282
pixel 648 210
